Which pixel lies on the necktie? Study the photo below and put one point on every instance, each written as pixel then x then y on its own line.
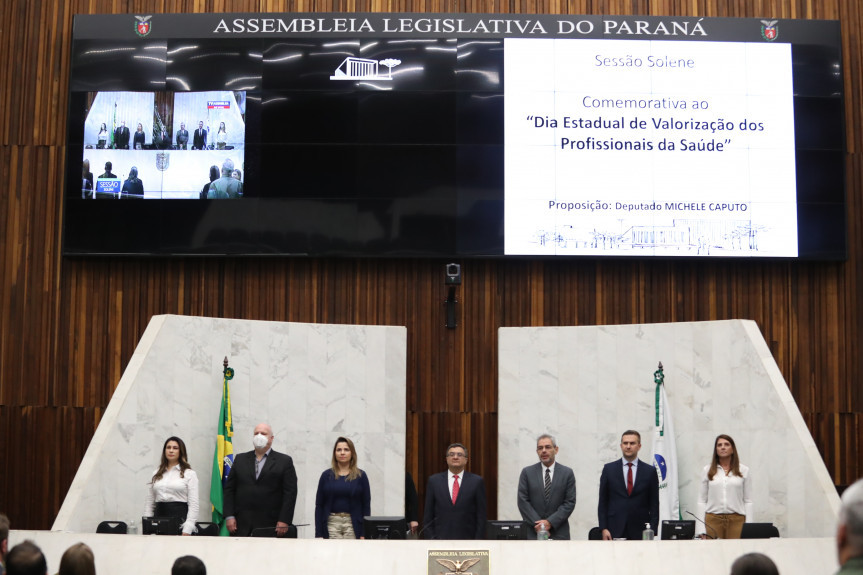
pixel 454 489
pixel 629 480
pixel 547 483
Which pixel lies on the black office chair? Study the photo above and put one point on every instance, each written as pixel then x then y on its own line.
pixel 595 534
pixel 206 529
pixel 117 527
pixel 759 531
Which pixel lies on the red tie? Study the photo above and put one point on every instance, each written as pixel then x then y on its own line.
pixel 454 489
pixel 629 480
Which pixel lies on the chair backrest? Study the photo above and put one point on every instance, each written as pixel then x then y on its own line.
pixel 759 531
pixel 118 527
pixel 207 529
pixel 595 534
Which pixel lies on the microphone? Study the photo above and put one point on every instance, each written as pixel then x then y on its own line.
pixel 426 526
pixel 705 525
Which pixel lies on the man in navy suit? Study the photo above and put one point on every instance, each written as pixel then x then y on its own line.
pixel 261 490
pixel 199 139
pixel 546 491
pixel 628 493
pixel 455 500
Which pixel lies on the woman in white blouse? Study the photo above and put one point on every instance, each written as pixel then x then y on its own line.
pixel 173 492
pixel 221 137
pixel 725 497
pixel 102 137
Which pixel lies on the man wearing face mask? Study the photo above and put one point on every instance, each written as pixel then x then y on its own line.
pixel 261 490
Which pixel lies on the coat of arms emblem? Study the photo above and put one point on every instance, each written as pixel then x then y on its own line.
pixel 142 25
pixel 770 29
pixel 163 159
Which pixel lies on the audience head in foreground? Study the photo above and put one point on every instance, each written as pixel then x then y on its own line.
pixel 26 559
pixel 188 565
pixel 849 534
pixel 754 564
pixel 4 537
pixel 78 560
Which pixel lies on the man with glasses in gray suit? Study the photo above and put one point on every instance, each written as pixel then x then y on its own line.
pixel 546 491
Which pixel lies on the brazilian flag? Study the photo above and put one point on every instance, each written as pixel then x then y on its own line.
pixel 223 458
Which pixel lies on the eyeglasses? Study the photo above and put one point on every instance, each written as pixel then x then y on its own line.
pixel 455 454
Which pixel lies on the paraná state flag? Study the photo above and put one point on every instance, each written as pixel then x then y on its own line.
pixel 665 454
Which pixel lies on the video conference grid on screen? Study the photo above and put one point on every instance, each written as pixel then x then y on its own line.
pixel 606 144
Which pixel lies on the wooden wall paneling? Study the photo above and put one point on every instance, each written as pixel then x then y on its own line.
pixel 480 310
pixel 7 245
pixel 42 447
pixel 837 436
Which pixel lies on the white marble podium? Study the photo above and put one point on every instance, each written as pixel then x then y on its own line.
pixel 586 385
pixel 152 555
pixel 311 382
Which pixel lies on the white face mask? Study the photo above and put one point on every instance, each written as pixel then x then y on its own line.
pixel 260 440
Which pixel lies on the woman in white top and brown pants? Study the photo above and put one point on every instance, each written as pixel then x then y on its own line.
pixel 725 497
pixel 173 491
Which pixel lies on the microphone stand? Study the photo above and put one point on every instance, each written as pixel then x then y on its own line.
pixel 705 525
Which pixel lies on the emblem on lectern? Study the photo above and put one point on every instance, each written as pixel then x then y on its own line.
pixel 458 567
pixel 462 562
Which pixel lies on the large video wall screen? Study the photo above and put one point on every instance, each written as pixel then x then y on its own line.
pixel 477 136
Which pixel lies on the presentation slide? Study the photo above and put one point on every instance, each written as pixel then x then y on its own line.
pixel 641 148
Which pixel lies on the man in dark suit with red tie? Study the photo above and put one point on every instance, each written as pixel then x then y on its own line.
pixel 628 493
pixel 261 490
pixel 455 500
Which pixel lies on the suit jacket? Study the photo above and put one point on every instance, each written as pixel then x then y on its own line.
pixel 121 138
pixel 264 501
pixel 625 515
pixel 465 519
pixel 182 138
pixel 199 139
pixel 561 501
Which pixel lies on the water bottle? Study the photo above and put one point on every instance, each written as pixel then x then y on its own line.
pixel 542 534
pixel 648 533
pixel 132 529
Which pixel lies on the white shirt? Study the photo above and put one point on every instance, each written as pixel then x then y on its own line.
pixel 173 488
pixel 725 494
